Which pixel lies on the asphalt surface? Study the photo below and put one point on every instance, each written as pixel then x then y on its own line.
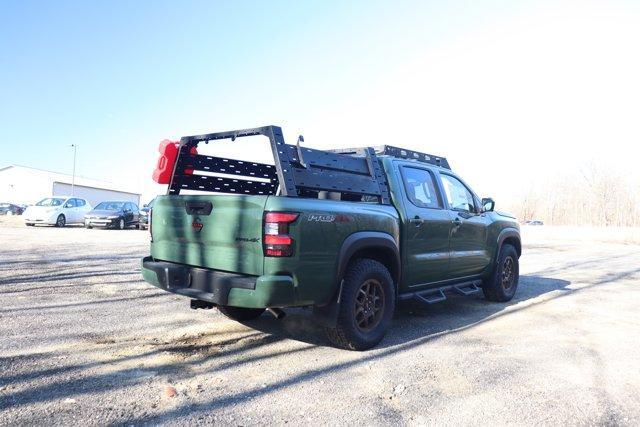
pixel 83 340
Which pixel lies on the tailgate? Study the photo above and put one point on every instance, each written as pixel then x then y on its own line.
pixel 226 238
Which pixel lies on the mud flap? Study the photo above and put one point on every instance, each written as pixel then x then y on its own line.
pixel 327 315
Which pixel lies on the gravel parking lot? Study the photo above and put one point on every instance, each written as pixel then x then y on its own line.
pixel 84 340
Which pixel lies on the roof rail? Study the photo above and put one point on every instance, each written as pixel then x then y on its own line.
pixel 403 153
pixel 400 153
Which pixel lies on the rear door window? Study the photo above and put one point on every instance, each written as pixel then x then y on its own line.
pixel 71 203
pixel 420 187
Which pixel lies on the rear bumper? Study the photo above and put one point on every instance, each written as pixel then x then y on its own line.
pixel 220 287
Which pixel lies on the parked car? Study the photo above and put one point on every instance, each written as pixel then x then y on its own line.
pixel 144 215
pixel 10 209
pixel 58 211
pixel 348 232
pixel 534 222
pixel 118 215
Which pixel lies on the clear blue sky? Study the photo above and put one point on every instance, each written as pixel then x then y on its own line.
pixel 118 77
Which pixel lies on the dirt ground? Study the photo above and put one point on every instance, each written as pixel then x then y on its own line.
pixel 83 340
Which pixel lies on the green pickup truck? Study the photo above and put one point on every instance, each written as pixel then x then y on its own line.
pixel 346 232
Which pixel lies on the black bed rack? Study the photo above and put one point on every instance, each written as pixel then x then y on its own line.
pixel 297 172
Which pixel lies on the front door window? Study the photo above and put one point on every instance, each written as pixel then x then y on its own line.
pixel 459 197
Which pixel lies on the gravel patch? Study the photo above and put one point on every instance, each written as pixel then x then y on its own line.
pixel 84 340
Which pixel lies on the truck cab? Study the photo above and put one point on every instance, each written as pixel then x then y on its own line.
pixel 446 229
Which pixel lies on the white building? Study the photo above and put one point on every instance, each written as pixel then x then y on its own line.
pixel 23 185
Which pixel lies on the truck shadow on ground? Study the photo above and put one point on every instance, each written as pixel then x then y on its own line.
pixel 412 327
pixel 414 321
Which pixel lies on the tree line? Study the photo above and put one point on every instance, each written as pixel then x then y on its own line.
pixel 595 197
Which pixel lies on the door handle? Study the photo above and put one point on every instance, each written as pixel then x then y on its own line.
pixel 416 220
pixel 457 222
pixel 198 208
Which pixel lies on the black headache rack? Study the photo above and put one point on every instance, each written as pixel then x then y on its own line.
pixel 298 171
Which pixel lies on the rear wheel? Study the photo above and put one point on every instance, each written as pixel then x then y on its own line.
pixel 29 224
pixel 366 307
pixel 61 221
pixel 502 285
pixel 240 313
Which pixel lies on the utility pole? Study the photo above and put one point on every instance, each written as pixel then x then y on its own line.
pixel 73 177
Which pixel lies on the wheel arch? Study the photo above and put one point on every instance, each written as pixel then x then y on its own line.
pixel 509 236
pixel 374 245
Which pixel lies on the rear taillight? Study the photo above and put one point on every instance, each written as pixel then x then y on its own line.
pixel 277 242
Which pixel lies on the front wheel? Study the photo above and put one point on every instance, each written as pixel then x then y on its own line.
pixel 121 224
pixel 61 221
pixel 366 308
pixel 502 285
pixel 239 313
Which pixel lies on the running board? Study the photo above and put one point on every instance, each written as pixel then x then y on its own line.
pixel 432 296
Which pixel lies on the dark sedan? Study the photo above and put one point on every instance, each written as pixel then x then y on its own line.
pixel 118 215
pixel 10 209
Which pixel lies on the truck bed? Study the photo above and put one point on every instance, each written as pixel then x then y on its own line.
pixel 230 237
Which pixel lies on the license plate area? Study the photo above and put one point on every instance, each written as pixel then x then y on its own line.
pixel 177 278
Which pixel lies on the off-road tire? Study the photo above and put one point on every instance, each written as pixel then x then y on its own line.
pixel 497 287
pixel 347 334
pixel 61 221
pixel 239 313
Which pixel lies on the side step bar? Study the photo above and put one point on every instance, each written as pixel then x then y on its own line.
pixel 470 288
pixel 432 296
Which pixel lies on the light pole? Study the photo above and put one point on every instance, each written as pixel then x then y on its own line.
pixel 73 177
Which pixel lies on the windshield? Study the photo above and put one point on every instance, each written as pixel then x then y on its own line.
pixel 50 202
pixel 110 206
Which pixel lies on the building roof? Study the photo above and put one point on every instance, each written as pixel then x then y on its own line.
pixel 79 180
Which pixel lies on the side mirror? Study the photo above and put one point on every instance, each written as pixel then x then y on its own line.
pixel 488 204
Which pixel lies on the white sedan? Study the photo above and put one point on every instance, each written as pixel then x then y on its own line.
pixel 58 211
